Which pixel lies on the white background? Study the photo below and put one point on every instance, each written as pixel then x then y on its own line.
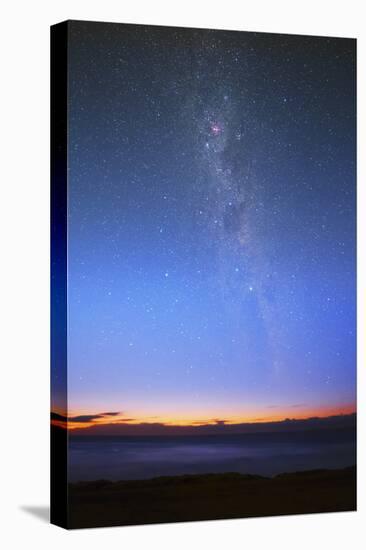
pixel 24 288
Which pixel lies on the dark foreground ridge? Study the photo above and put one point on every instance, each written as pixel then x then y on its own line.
pixel 208 497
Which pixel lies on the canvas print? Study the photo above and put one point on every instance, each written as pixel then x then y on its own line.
pixel 203 274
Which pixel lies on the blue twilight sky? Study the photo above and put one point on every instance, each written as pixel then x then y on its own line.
pixel 211 223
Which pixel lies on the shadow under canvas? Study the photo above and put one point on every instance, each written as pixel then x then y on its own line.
pixel 40 512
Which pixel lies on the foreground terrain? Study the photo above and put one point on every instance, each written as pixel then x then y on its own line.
pixel 212 496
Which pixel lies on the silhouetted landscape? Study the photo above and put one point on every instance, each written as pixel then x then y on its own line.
pixel 219 428
pixel 275 468
pixel 209 497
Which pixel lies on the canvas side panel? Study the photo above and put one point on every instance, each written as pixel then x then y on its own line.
pixel 59 50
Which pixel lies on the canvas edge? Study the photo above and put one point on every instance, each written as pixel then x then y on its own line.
pixel 58 238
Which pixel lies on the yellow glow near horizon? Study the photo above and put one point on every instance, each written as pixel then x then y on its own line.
pixel 258 416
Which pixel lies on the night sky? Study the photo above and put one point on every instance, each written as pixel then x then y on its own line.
pixel 211 224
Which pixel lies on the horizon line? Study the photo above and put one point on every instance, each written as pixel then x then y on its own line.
pixel 102 420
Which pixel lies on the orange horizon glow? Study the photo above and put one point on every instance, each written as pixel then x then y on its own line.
pixel 257 417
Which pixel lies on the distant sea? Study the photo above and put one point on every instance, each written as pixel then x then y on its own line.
pixel 268 454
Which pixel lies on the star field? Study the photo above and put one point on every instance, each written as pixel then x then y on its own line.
pixel 211 222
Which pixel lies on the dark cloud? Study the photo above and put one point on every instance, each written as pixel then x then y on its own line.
pixel 58 417
pixel 219 421
pixel 84 417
